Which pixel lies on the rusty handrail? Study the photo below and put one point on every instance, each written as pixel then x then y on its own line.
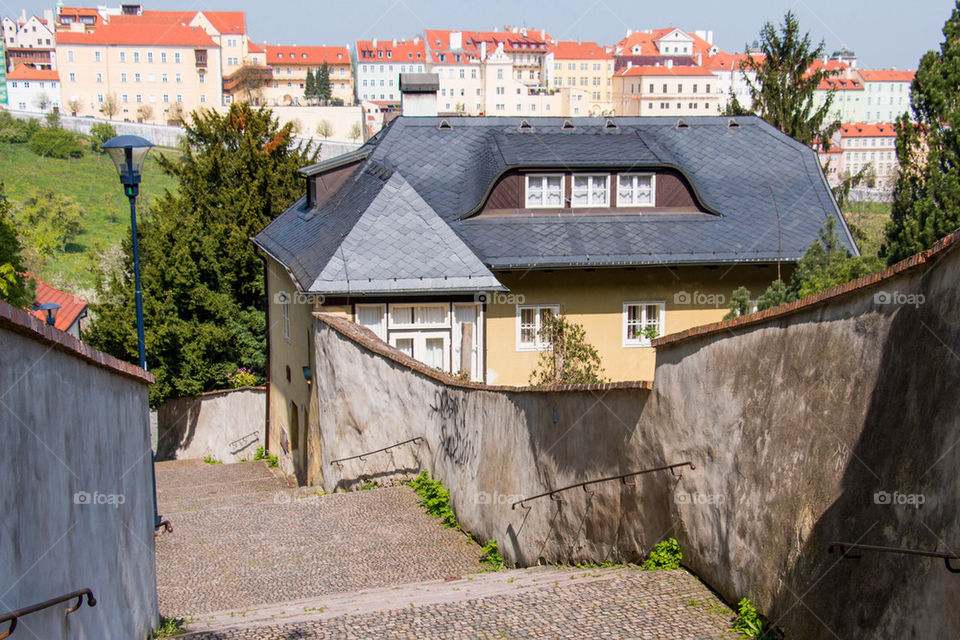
pixel 585 484
pixel 370 453
pixel 242 438
pixel 844 547
pixel 13 616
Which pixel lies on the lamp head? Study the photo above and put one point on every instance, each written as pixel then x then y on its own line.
pixel 129 153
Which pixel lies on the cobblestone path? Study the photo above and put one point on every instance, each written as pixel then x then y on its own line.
pixel 252 557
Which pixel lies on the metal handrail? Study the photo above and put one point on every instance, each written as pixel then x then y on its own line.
pixel 241 439
pixel 585 484
pixel 13 616
pixel 370 453
pixel 166 525
pixel 844 547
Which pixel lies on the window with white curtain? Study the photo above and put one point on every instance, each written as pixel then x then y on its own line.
pixel 544 191
pixel 635 190
pixel 641 320
pixel 590 191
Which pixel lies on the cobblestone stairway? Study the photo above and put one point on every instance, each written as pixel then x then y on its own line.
pixel 253 557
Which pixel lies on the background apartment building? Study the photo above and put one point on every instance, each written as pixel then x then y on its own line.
pixel 582 72
pixel 665 90
pixel 29 41
pixel 33 90
pixel 289 66
pixel 378 65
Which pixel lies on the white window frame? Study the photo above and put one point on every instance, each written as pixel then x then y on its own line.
pixel 538 344
pixel 445 307
pixel 381 329
pixel 653 189
pixel 590 190
pixel 419 339
pixel 285 317
pixel 543 191
pixel 643 341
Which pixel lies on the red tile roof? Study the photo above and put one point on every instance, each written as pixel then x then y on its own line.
pixel 578 50
pixel 840 84
pixel 159 35
pixel 513 42
pixel 728 61
pixel 225 22
pixel 886 75
pixel 314 56
pixel 71 307
pixel 649 70
pixel 402 52
pixel 23 72
pixel 829 65
pixel 253 47
pixel 861 130
pixel 647 40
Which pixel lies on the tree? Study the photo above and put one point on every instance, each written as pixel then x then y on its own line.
pixel 926 200
pixel 739 303
pixel 203 283
pixel 310 87
pixel 144 112
pixel 827 263
pixel 356 131
pixel 175 114
pixel 570 359
pixel 323 90
pixel 325 129
pixel 56 143
pixel 48 220
pixel 110 107
pixel 41 101
pixel 100 133
pixel 15 287
pixel 74 106
pixel 786 77
pixel 775 295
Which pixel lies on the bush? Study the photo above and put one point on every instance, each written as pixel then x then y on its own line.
pixel 490 555
pixel 261 454
pixel 12 130
pixel 665 555
pixel 750 624
pixel 434 498
pixel 242 377
pixel 55 143
pixel 100 133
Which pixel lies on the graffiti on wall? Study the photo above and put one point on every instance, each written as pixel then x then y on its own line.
pixel 454 438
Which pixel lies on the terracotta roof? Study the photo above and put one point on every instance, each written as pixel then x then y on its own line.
pixel 159 35
pixel 22 321
pixel 647 40
pixel 840 84
pixel 886 75
pixel 314 56
pixel 728 61
pixel 225 22
pixel 861 130
pixel 513 42
pixel 23 72
pixel 829 65
pixel 648 70
pixel 71 307
pixel 402 52
pixel 253 47
pixel 578 50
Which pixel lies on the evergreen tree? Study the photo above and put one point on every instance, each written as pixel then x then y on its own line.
pixel 15 287
pixel 323 91
pixel 203 282
pixel 926 202
pixel 739 303
pixel 310 88
pixel 783 92
pixel 827 264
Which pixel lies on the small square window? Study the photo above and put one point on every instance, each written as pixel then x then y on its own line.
pixel 641 322
pixel 590 191
pixel 544 191
pixel 635 190
pixel 530 323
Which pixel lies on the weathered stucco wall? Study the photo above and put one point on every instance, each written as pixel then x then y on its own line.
pixel 75 485
pixel 227 425
pixel 800 423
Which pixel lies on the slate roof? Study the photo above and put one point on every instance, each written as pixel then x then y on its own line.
pixel 415 174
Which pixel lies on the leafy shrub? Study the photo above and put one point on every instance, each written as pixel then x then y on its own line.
pixel 100 133
pixel 52 119
pixel 12 130
pixel 434 498
pixel 169 627
pixel 242 377
pixel 490 555
pixel 56 143
pixel 750 624
pixel 665 555
pixel 261 454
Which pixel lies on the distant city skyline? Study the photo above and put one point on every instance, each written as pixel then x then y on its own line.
pixel 883 36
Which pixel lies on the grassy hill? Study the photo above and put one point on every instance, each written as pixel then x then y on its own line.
pixel 92 181
pixel 871 218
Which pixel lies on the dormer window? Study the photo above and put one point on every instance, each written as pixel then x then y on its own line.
pixel 544 191
pixel 635 190
pixel 590 191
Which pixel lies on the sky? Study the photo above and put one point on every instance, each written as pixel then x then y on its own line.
pixel 883 33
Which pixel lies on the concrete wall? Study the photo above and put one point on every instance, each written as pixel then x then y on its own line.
pixel 227 425
pixel 75 485
pixel 798 420
pixel 160 135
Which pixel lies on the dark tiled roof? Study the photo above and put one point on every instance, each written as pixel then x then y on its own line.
pixel 737 173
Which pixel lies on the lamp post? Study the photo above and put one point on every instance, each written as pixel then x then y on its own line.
pixel 51 308
pixel 129 154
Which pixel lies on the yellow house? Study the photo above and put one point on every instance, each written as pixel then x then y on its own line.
pixel 582 72
pixel 453 239
pixel 289 66
pixel 665 90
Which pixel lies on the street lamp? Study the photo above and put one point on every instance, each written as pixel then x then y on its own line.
pixel 129 154
pixel 51 309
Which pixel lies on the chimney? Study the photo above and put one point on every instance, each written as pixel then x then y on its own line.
pixel 48 16
pixel 394 42
pixel 456 40
pixel 416 40
pixel 629 32
pixel 699 59
pixel 669 63
pixel 543 34
pixel 483 51
pixel 629 64
pixel 579 42
pixel 374 43
pixel 418 94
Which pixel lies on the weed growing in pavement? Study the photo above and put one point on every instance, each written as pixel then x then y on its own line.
pixel 367 485
pixel 434 498
pixel 665 555
pixel 209 459
pixel 750 624
pixel 262 454
pixel 490 555
pixel 169 627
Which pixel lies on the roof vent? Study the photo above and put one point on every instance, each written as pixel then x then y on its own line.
pixel 682 124
pixel 525 126
pixel 445 125
pixel 567 124
pixel 732 124
pixel 609 124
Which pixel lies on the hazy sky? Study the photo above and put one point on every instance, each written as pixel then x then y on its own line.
pixel 883 33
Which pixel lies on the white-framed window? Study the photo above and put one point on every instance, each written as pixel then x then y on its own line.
pixel 285 316
pixel 432 348
pixel 373 317
pixel 636 190
pixel 640 319
pixel 590 191
pixel 544 191
pixel 530 320
pixel 416 316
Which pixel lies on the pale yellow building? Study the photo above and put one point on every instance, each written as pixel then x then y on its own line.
pixel 289 65
pixel 665 90
pixel 582 72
